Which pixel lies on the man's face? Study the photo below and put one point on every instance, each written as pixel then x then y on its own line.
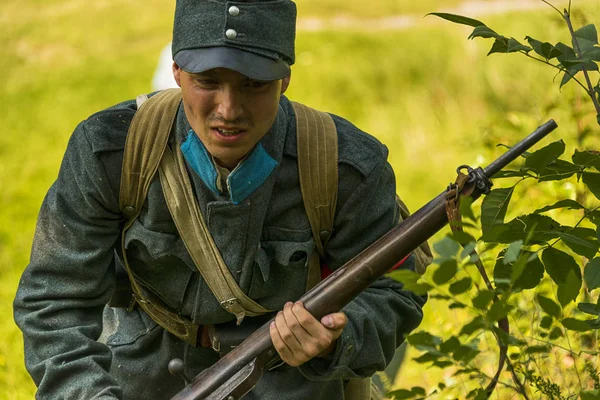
pixel 229 112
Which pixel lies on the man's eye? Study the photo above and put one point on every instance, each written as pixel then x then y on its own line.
pixel 206 82
pixel 257 84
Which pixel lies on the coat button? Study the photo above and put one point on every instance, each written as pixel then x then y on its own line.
pixel 129 209
pixel 234 11
pixel 231 33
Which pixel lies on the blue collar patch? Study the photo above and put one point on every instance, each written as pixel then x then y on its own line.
pixel 248 176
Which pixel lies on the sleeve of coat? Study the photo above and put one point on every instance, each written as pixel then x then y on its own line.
pixel 380 316
pixel 70 278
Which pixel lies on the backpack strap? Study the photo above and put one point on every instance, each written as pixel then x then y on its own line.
pixel 317 147
pixel 141 157
pixel 188 218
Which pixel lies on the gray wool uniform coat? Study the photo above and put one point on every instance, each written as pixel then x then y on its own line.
pixel 265 241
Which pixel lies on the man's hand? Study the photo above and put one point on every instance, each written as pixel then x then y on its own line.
pixel 299 337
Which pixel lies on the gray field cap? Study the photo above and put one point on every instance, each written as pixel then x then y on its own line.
pixel 255 38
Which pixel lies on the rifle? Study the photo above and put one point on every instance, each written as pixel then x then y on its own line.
pixel 238 371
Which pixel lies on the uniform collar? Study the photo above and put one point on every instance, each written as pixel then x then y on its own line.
pixel 248 176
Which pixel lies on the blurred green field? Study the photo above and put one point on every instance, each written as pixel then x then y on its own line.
pixel 430 95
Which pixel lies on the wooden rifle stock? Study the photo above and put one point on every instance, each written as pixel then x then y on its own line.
pixel 237 372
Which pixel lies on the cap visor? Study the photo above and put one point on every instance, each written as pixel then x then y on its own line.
pixel 246 63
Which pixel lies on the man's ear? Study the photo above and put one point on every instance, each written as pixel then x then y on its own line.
pixel 285 82
pixel 177 73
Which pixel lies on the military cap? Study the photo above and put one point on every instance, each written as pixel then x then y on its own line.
pixel 254 37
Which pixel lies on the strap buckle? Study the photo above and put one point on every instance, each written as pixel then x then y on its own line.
pixel 233 306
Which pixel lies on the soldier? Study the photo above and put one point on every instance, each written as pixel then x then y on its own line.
pixel 236 134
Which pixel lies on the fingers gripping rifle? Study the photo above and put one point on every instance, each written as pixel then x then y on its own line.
pixel 237 372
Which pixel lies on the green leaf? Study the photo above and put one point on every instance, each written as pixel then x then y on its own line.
pixel 466 371
pixel 558 170
pixel 409 281
pixel 464 206
pixel 459 19
pixel 591 54
pixel 423 338
pixel 569 291
pixel 447 248
pixel 567 203
pixel 445 271
pixel 587 158
pixel 456 305
pixel 555 333
pixel 498 311
pixel 482 299
pixel 535 228
pixel 591 274
pixel 532 274
pixel 549 306
pixel 514 46
pixel 537 349
pixel 546 322
pixel 592 180
pixel 450 345
pixel 589 308
pixel 462 237
pixel 581 240
pixel 460 286
pixel 473 326
pixel 494 206
pixel 427 358
pixel 566 52
pixel 558 265
pixel 571 71
pixel 544 156
pixel 512 252
pixel 465 354
pixel 590 394
pixel 587 37
pixel 510 174
pixel 577 325
pixel 546 50
pixel 484 32
pixel 500 46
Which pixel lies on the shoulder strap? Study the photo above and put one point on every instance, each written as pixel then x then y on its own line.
pixel 317 145
pixel 143 152
pixel 141 157
pixel 188 218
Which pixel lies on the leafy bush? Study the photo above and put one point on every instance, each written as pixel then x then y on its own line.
pixel 543 262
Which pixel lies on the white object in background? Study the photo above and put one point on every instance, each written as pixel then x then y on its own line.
pixel 163 76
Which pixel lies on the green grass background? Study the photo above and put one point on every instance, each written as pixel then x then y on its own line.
pixel 428 93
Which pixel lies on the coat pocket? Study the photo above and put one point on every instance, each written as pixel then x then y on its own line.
pixel 281 266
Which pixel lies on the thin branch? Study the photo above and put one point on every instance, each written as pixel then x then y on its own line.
pixel 590 88
pixel 557 10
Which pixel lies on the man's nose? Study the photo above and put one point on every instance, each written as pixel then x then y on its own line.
pixel 230 105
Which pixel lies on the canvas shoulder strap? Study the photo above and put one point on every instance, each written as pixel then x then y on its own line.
pixel 141 157
pixel 317 147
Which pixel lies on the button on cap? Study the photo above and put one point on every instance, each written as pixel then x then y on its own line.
pixel 234 11
pixel 231 33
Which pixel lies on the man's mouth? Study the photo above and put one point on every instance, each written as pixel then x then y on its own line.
pixel 228 132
